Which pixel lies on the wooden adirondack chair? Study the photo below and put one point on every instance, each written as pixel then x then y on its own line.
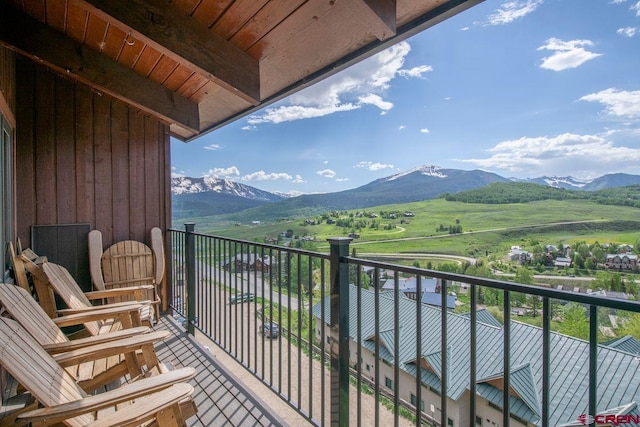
pixel 138 357
pixel 165 399
pixel 78 301
pixel 128 263
pixel 21 264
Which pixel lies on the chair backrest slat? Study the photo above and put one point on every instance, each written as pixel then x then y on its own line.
pixel 32 367
pixel 128 260
pixel 22 307
pixel 65 285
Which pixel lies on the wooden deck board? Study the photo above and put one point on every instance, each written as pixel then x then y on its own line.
pixel 221 399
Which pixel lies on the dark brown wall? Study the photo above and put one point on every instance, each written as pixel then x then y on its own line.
pixel 85 157
pixel 7 84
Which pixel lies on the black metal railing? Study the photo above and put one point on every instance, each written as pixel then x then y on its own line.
pixel 349 352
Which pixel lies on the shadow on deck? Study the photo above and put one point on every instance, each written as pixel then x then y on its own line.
pixel 221 398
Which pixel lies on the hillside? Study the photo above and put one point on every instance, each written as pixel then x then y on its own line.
pixel 514 192
pixel 204 197
pixel 195 204
pixel 521 192
pixel 194 197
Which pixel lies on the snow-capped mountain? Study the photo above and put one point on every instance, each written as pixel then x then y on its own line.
pixel 571 183
pixel 185 185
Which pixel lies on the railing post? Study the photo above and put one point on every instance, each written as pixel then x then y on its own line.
pixel 190 261
pixel 339 323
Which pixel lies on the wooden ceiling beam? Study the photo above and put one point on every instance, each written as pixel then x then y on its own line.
pixel 377 15
pixel 185 40
pixel 45 45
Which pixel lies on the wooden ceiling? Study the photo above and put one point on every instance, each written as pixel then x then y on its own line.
pixel 200 64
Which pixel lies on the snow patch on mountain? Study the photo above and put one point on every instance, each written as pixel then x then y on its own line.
pixel 564 182
pixel 187 185
pixel 434 171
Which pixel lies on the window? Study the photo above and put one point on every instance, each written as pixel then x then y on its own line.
pixel 518 419
pixel 6 191
pixel 449 422
pixel 368 367
pixel 478 420
pixel 388 382
pixel 414 401
pixel 494 406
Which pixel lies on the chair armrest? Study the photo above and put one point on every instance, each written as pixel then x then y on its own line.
pixel 111 348
pixel 131 281
pixel 118 292
pixel 63 347
pixel 79 310
pixel 96 313
pixel 172 381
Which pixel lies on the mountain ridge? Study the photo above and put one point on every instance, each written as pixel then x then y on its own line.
pixel 211 196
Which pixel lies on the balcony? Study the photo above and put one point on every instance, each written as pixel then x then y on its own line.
pixel 333 319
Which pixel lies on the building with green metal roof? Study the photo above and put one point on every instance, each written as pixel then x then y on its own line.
pixel 618 370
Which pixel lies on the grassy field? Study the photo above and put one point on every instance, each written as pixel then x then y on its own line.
pixel 486 228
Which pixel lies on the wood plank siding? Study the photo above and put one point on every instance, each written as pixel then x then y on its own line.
pixel 8 84
pixel 86 157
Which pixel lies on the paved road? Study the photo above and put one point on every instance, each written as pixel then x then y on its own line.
pixel 424 255
pixel 246 282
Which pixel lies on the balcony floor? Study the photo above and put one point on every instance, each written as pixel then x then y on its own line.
pixel 221 398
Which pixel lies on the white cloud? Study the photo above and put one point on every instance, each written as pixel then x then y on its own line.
pixel 176 174
pixel 567 54
pixel 619 103
pixel 213 147
pixel 263 176
pixel 297 112
pixel 326 173
pixel 636 8
pixel 618 1
pixel 628 31
pixel 401 127
pixel 512 11
pixel 582 155
pixel 342 179
pixel 464 29
pixel 223 173
pixel 416 71
pixel 362 84
pixel 326 162
pixel 249 127
pixel 298 180
pixel 373 99
pixel 373 166
pixel 424 130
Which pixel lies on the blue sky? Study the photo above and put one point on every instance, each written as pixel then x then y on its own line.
pixel 522 88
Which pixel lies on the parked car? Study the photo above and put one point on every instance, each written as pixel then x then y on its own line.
pixel 233 299
pixel 270 330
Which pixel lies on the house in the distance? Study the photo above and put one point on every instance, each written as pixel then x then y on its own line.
pixel 250 262
pixel 429 287
pixel 519 255
pixel 562 262
pixel 621 262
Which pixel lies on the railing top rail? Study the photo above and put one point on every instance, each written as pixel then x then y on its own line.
pixel 260 245
pixel 589 299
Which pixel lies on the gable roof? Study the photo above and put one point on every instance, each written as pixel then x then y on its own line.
pixel 627 344
pixel 569 358
pixel 483 316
